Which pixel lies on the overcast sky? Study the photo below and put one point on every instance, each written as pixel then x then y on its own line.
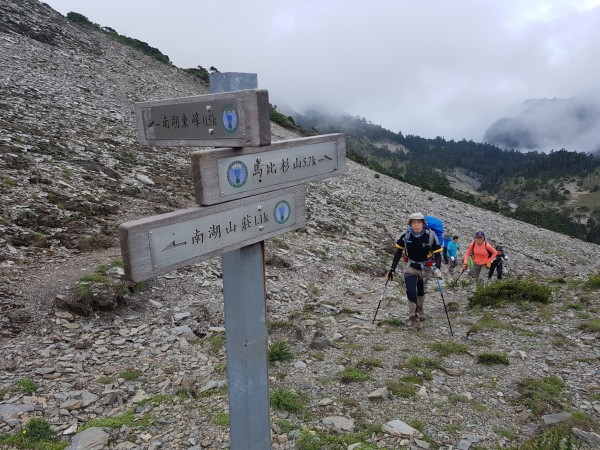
pixel 431 68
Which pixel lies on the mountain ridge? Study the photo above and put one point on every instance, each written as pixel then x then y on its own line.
pixel 551 124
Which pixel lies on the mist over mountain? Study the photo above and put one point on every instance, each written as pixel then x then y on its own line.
pixel 551 124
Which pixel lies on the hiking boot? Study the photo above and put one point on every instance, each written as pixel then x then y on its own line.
pixel 420 312
pixel 413 319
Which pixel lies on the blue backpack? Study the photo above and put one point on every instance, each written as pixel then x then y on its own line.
pixel 435 224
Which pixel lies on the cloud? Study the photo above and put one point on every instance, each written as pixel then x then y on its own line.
pixel 428 68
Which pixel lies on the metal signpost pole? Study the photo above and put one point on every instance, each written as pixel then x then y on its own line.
pixel 244 291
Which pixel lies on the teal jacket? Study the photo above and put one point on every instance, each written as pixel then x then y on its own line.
pixel 453 248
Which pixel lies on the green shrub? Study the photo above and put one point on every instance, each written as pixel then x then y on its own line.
pixel 216 343
pixel 27 386
pixel 353 374
pixel 592 325
pixel 541 394
pixel 593 281
pixel 38 429
pixel 369 363
pixel 221 420
pixel 79 18
pixel 401 389
pixel 94 278
pixel 199 72
pixel 84 293
pixel 423 365
pixel 36 434
pixel 280 351
pixel 286 400
pixel 491 359
pixel 510 291
pixel 129 375
pixel 281 119
pixel 127 419
pixel 308 440
pixel 447 348
pixel 559 437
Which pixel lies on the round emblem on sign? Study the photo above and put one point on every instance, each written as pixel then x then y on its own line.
pixel 230 118
pixel 282 211
pixel 237 174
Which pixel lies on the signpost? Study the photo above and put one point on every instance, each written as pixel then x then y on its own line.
pixel 232 119
pixel 231 173
pixel 256 192
pixel 159 244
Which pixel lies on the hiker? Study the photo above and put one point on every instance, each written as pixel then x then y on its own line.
pixel 445 247
pixel 497 263
pixel 483 253
pixel 453 248
pixel 423 260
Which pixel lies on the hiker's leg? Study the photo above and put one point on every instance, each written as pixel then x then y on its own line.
pixel 492 268
pixel 411 279
pixel 499 270
pixel 477 269
pixel 421 291
pixel 453 264
pixel 445 254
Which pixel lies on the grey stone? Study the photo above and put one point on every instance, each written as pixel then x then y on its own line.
pixel 551 419
pixel 400 428
pixel 90 439
pixel 339 422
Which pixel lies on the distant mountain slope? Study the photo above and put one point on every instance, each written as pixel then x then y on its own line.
pixel 531 186
pixel 546 124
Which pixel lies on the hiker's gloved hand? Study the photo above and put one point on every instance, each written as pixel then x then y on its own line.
pixel 437 272
pixel 488 264
pixel 452 258
pixel 390 275
pixel 506 258
pixel 464 267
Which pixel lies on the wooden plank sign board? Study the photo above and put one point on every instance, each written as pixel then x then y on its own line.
pixel 229 119
pixel 155 245
pixel 226 174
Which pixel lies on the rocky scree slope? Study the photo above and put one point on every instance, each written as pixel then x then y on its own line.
pixel 71 171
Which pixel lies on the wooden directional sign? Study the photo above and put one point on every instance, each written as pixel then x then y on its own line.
pixel 224 174
pixel 159 244
pixel 230 119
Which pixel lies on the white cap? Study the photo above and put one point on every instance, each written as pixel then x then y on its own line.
pixel 416 216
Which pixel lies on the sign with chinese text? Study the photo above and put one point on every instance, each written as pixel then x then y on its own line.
pixel 224 174
pixel 156 245
pixel 232 119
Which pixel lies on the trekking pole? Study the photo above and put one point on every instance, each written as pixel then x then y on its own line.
pixel 382 294
pixel 444 302
pixel 457 278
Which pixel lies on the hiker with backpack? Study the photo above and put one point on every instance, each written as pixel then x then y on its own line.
pixel 423 257
pixel 453 248
pixel 497 262
pixel 447 240
pixel 482 254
